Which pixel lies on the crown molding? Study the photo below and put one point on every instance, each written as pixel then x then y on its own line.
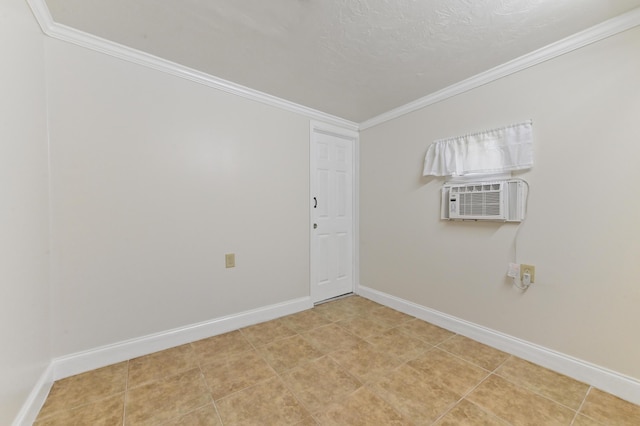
pixel 98 44
pixel 591 35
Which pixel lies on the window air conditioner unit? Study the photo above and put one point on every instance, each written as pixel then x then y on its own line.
pixel 495 200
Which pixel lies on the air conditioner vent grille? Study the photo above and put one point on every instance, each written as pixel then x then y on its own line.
pixel 479 203
pixel 500 200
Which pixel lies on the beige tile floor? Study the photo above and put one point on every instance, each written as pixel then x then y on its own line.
pixel 346 362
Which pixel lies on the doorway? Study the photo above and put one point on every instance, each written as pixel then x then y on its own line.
pixel 333 206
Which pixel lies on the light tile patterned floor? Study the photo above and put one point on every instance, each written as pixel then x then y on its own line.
pixel 346 362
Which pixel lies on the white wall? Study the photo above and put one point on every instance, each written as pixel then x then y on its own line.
pixel 582 231
pixel 154 179
pixel 24 234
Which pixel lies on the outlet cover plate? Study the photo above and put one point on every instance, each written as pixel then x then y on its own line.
pixel 230 260
pixel 528 268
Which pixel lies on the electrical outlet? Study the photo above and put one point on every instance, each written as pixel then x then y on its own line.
pixel 230 260
pixel 528 269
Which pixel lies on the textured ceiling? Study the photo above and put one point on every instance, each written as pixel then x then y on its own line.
pixel 354 59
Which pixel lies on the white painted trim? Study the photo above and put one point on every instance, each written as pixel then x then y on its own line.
pixel 345 133
pixel 591 35
pixel 34 402
pixel 98 44
pixel 340 131
pixel 81 362
pixel 110 354
pixel 106 355
pixel 596 33
pixel 607 380
pixel 356 215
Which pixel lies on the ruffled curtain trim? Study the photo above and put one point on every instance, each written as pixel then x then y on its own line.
pixel 493 151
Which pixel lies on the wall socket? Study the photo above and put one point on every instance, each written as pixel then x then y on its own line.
pixel 230 260
pixel 528 268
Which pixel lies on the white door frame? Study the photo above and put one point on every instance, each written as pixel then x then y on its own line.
pixel 320 127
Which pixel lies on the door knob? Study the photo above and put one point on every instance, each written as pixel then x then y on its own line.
pixel 315 226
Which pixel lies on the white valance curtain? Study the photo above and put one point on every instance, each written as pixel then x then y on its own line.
pixel 488 152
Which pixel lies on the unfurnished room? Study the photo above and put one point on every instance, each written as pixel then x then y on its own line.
pixel 320 212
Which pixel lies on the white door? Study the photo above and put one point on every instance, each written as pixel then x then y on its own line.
pixel 332 207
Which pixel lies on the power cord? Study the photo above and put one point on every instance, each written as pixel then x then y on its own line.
pixel 526 277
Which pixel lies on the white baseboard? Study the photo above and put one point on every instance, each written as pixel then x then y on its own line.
pixel 615 383
pixel 35 400
pixel 80 362
pixel 609 381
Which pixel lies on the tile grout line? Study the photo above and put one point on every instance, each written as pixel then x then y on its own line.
pixel 245 388
pixel 358 312
pixel 126 395
pixel 536 392
pixel 288 388
pixel 172 375
pixel 362 384
pixel 279 375
pixel 70 408
pixel 446 340
pixel 502 363
pixel 369 386
pixel 206 383
pixel 325 353
pixel 246 337
pixel 408 333
pixel 297 332
pixel 466 394
pixel 581 405
pixel 457 356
